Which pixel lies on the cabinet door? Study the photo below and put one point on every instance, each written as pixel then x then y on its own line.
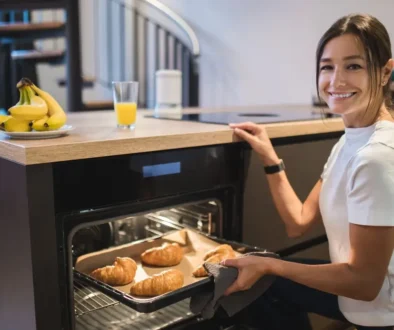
pixel 262 225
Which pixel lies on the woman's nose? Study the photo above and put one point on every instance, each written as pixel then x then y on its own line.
pixel 337 79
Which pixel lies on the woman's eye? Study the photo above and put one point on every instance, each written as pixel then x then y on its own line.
pixel 325 67
pixel 354 66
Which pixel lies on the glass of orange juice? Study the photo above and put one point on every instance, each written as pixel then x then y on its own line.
pixel 125 103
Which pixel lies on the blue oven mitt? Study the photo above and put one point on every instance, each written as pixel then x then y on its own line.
pixel 207 303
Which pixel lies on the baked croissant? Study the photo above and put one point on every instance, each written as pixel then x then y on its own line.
pixel 214 259
pixel 220 249
pixel 165 255
pixel 166 281
pixel 121 273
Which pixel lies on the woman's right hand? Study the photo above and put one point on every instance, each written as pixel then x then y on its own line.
pixel 258 139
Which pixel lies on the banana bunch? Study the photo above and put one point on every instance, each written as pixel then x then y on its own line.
pixel 30 107
pixel 55 118
pixel 36 110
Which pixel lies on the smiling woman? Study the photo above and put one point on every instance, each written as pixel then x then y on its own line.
pixel 353 197
pixel 353 69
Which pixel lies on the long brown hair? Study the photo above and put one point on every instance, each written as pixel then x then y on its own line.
pixel 377 46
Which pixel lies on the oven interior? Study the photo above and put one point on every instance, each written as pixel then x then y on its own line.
pixel 94 309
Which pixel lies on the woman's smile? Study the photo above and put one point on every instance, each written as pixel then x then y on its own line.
pixel 341 96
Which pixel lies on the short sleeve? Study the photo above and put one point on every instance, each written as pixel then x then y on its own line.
pixel 322 175
pixel 370 189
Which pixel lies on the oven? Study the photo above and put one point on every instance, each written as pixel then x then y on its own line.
pixel 109 202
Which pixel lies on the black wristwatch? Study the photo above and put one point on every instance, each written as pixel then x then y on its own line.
pixel 275 168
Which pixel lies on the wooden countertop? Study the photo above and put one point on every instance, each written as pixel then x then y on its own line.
pixel 29 27
pixel 96 135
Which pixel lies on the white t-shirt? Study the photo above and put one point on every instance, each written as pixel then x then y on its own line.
pixel 358 187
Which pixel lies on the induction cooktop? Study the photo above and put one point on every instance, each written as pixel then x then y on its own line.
pixel 224 118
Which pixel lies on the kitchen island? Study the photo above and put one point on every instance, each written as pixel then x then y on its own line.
pixel 96 135
pixel 42 179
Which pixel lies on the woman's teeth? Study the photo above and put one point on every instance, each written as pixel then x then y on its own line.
pixel 342 95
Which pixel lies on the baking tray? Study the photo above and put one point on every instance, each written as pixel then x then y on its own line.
pixel 194 245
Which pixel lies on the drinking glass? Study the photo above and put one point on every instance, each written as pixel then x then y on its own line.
pixel 125 102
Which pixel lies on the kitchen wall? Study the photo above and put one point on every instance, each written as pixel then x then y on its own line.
pixel 252 51
pixel 262 51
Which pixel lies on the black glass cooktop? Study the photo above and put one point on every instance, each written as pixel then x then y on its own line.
pixel 238 117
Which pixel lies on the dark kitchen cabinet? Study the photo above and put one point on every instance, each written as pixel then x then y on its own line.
pixel 262 225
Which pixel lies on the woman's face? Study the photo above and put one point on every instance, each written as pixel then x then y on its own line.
pixel 343 76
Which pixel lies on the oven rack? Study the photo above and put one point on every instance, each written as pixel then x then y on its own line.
pixel 87 299
pixel 95 310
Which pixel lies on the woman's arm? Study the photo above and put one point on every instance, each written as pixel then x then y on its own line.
pixel 297 216
pixel 361 278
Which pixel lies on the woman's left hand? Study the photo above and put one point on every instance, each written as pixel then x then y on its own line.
pixel 250 269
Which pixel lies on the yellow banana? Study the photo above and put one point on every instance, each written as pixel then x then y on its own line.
pixel 21 97
pixel 16 125
pixel 39 125
pixel 35 99
pixel 4 118
pixel 57 117
pixel 56 121
pixel 29 107
pixel 53 105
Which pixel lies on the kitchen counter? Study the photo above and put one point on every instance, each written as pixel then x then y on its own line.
pixel 96 135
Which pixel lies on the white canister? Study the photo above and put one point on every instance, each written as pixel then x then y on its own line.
pixel 168 91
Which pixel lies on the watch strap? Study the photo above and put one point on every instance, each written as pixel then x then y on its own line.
pixel 275 168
